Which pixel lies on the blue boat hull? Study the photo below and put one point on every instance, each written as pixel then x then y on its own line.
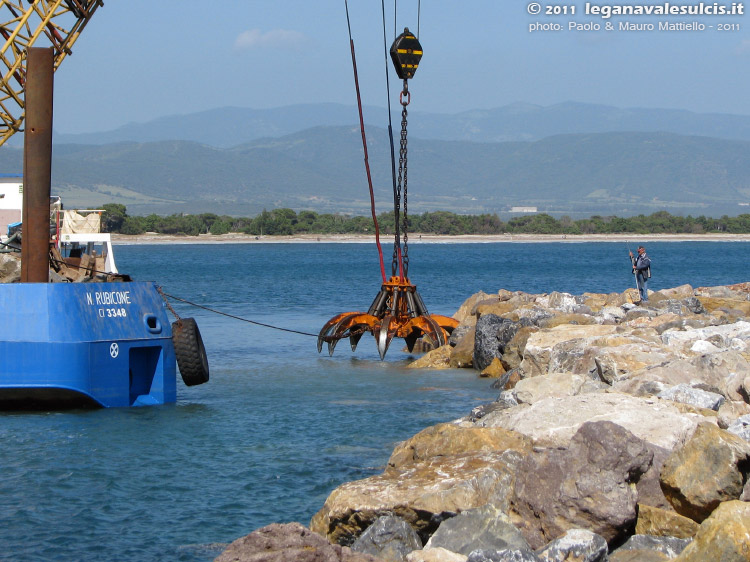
pixel 85 344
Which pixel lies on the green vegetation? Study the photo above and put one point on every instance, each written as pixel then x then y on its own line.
pixel 288 222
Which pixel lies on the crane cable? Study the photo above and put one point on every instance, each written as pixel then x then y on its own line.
pixel 396 261
pixel 364 145
pixel 400 259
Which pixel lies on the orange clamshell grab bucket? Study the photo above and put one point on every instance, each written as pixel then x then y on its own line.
pixel 397 311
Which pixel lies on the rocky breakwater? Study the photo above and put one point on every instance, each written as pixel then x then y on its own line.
pixel 620 433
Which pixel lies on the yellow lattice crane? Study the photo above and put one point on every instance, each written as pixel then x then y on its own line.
pixel 34 23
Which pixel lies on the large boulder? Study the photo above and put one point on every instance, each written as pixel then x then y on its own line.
pixel 468 307
pixel 695 341
pixel 740 427
pixel 681 292
pixel 552 422
pixel 462 355
pixel 491 336
pixel 694 396
pixel 448 439
pixel 434 359
pixel 604 349
pixel 655 521
pixel 481 528
pixel 389 538
pixel 646 545
pixel 422 493
pixel 576 545
pixel 437 554
pixel 723 536
pixel 719 304
pixel 712 467
pixel 589 485
pixel 534 389
pixel 722 371
pixel 290 542
pixel 516 347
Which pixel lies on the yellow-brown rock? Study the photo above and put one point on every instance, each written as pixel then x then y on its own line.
pixel 450 439
pixel 515 348
pixel 577 319
pixel 681 292
pixel 422 494
pixel 664 523
pixel 730 306
pixel 467 308
pixel 498 308
pixel 463 354
pixel 709 469
pixel 724 536
pixel 595 301
pixel 494 370
pixel 436 359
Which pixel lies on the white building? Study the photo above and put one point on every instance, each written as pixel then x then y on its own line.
pixel 11 200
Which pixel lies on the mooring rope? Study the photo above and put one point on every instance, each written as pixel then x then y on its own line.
pixel 169 306
pixel 236 317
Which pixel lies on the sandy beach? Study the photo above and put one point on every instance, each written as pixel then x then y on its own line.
pixel 234 238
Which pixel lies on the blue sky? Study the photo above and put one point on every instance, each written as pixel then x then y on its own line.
pixel 142 59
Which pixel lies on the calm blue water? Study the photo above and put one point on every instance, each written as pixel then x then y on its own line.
pixel 278 426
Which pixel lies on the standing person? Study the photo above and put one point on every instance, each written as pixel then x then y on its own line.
pixel 642 270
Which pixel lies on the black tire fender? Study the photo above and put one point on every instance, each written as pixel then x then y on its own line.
pixel 189 351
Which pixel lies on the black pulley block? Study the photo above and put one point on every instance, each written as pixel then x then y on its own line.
pixel 406 53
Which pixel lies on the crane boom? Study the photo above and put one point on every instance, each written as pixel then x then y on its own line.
pixel 34 23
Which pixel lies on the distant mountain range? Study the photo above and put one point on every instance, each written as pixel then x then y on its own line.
pixel 230 126
pixel 569 159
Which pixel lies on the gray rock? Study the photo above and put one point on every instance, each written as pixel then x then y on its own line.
pixel 671 546
pixel 501 381
pixel 10 268
pixel 649 485
pixel 507 398
pixel 390 538
pixel 492 335
pixel 577 544
pixel 484 528
pixel 505 555
pixel 741 427
pixel 458 334
pixel 694 305
pixel 745 495
pixel 686 394
pixel 678 307
pixel 480 411
pixel 290 542
pixel 587 485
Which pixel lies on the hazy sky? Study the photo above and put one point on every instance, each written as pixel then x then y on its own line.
pixel 142 59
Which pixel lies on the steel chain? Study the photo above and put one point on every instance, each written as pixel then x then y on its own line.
pixel 402 166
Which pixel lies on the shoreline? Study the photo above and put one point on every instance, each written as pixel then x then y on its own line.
pixel 235 238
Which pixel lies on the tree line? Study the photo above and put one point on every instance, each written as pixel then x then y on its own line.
pixel 289 222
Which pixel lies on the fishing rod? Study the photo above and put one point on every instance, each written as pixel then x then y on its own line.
pixel 635 273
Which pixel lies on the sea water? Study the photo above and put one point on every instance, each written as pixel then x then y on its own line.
pixel 278 426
